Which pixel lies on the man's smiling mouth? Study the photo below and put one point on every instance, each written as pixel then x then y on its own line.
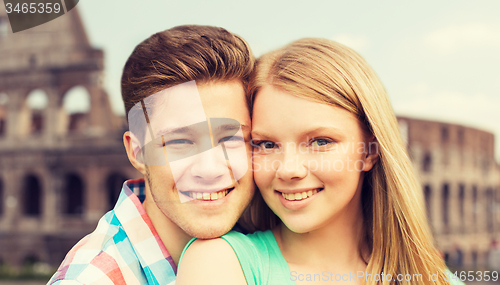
pixel 208 196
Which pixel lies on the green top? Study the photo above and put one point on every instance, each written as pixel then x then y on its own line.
pixel 263 264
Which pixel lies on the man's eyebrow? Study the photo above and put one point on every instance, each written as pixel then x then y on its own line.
pixel 232 127
pixel 179 130
pixel 190 129
pixel 260 133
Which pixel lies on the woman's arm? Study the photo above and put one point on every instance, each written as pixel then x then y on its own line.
pixel 208 262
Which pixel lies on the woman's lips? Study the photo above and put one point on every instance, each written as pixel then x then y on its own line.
pixel 298 198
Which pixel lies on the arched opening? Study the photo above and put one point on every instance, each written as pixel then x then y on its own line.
pixel 461 204
pixel 4 100
pixel 4 27
pixel 32 196
pixel 444 134
pixel 76 106
pixel 475 206
pixel 474 259
pixel 33 119
pixel 427 195
pixel 427 162
pixel 490 206
pixel 114 184
pixel 446 202
pixel 29 262
pixel 1 197
pixel 74 195
pixel 446 257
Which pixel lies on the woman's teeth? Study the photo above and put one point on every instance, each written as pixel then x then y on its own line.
pixel 209 196
pixel 299 196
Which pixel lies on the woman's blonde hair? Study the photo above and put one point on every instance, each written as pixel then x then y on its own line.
pixel 397 231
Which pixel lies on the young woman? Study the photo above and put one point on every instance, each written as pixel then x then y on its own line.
pixel 342 204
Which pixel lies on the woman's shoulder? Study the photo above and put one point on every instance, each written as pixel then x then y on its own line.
pixel 257 238
pixel 201 258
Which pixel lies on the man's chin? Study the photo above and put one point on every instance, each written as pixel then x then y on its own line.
pixel 205 232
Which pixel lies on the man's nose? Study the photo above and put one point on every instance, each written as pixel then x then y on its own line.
pixel 210 165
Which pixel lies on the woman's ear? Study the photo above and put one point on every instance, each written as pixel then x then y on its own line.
pixel 372 153
pixel 134 152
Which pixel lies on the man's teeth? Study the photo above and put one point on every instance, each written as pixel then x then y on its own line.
pixel 209 196
pixel 299 196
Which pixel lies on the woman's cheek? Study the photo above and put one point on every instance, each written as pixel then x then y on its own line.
pixel 263 174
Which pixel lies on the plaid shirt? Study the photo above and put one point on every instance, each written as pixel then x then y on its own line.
pixel 124 248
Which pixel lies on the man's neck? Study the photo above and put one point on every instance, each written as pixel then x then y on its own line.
pixel 173 237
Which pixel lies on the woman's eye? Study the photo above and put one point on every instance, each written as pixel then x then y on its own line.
pixel 321 142
pixel 267 145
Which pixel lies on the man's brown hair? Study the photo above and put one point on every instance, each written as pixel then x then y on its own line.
pixel 182 54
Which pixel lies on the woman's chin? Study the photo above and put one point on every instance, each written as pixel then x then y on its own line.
pixel 299 227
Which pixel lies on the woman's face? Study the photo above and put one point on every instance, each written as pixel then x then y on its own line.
pixel 308 160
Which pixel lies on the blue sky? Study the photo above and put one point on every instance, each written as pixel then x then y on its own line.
pixel 437 59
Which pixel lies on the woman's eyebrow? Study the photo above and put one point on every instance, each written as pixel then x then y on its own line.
pixel 320 129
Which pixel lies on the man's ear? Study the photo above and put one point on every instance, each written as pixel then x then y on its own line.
pixel 372 153
pixel 134 152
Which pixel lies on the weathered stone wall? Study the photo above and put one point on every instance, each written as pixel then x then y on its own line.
pixel 59 172
pixel 461 184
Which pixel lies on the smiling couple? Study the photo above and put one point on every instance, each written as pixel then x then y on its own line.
pixel 204 119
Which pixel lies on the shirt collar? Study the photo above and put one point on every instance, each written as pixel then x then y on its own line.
pixel 140 230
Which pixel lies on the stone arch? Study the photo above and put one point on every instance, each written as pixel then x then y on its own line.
pixel 75 109
pixel 2 200
pixel 427 162
pixel 29 261
pixel 32 120
pixel 74 194
pixel 114 183
pixel 475 207
pixel 490 210
pixel 461 205
pixel 445 199
pixel 4 101
pixel 4 27
pixel 474 258
pixel 32 194
pixel 428 200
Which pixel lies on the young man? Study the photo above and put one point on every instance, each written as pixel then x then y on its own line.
pixel 184 94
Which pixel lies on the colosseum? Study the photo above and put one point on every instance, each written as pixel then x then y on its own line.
pixel 61 169
pixel 461 185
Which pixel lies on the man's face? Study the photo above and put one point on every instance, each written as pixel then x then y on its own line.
pixel 197 157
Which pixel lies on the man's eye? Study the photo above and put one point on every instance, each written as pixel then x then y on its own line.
pixel 231 138
pixel 232 141
pixel 178 143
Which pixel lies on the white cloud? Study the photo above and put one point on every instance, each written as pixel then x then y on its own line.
pixel 357 43
pixel 454 37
